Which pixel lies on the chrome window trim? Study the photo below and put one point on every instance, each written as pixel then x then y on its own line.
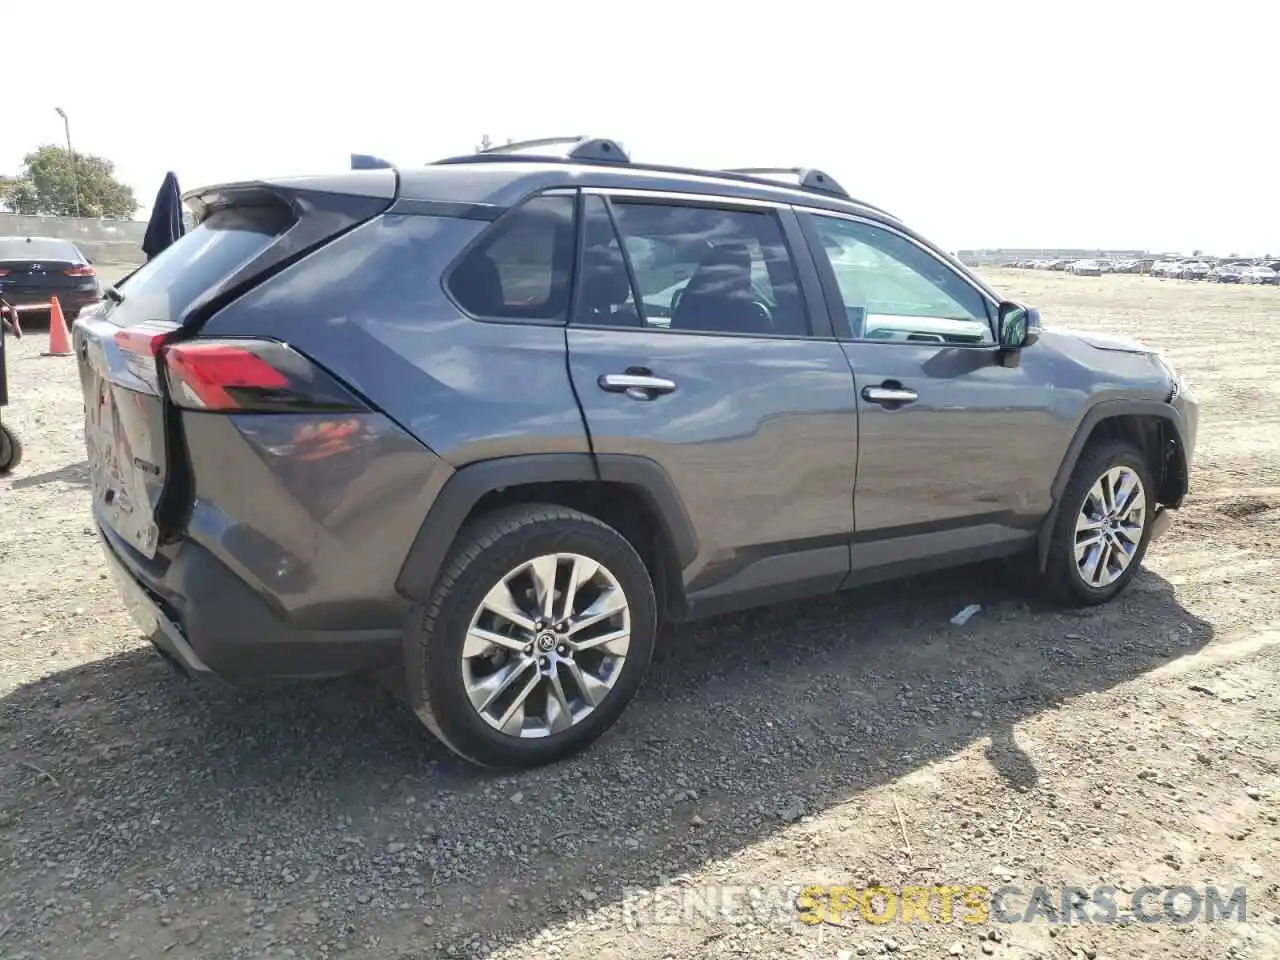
pixel 697 199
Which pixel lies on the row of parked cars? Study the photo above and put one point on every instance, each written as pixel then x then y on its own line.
pixel 1219 271
pixel 1226 271
pixel 1086 268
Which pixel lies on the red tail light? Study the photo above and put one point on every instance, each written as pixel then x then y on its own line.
pixel 140 346
pixel 4 271
pixel 141 341
pixel 210 376
pixel 250 376
pixel 231 376
pixel 83 270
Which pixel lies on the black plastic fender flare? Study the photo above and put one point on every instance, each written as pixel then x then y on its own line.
pixel 1103 410
pixel 469 483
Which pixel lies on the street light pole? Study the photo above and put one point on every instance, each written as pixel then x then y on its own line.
pixel 75 183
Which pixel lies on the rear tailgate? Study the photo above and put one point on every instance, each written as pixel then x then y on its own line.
pixel 247 232
pixel 124 435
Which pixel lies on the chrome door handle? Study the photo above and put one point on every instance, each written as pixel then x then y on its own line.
pixel 638 386
pixel 889 395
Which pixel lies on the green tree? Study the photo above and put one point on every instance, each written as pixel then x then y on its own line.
pixel 50 186
pixel 20 197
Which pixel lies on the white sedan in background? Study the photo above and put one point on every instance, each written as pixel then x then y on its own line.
pixel 1085 268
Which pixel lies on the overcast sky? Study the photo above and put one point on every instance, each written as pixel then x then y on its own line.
pixel 1124 124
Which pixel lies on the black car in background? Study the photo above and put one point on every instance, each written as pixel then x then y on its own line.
pixel 34 269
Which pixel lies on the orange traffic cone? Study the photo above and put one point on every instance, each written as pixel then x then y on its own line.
pixel 59 338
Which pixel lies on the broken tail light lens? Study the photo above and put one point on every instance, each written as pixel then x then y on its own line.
pixel 232 376
pixel 251 376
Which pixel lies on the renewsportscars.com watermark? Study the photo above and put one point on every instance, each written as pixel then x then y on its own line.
pixel 674 904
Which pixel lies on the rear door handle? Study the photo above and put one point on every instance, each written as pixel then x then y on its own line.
pixel 637 386
pixel 889 395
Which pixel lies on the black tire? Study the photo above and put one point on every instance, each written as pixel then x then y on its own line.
pixel 10 450
pixel 1061 578
pixel 485 551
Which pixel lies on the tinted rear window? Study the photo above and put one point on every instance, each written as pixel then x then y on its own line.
pixel 38 248
pixel 165 287
pixel 520 270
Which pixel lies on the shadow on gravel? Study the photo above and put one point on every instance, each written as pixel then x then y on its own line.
pixel 74 473
pixel 332 804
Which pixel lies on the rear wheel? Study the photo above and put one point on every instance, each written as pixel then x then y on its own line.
pixel 10 450
pixel 1103 526
pixel 536 638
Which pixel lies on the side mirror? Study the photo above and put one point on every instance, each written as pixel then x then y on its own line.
pixel 1033 327
pixel 1018 328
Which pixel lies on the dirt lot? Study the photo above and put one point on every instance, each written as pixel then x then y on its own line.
pixel 857 741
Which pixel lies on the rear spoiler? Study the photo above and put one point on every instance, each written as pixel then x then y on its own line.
pixel 382 184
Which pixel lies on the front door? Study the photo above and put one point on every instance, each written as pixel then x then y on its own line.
pixel 691 345
pixel 952 444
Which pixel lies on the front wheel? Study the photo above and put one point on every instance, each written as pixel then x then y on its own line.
pixel 1103 526
pixel 536 637
pixel 10 450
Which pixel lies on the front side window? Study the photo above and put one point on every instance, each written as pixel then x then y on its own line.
pixel 704 269
pixel 520 269
pixel 893 289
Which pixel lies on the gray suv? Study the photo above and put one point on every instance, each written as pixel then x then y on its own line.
pixel 483 425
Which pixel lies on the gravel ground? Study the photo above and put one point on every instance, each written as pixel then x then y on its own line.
pixel 858 740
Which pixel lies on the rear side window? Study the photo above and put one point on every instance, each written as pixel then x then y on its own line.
pixel 165 287
pixel 521 268
pixel 605 296
pixel 702 269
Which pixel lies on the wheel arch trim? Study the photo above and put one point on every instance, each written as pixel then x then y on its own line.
pixel 1101 411
pixel 464 489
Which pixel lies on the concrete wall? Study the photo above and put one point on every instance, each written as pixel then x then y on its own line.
pixel 103 241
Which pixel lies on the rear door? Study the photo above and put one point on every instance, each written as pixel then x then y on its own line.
pixel 952 444
pixel 131 436
pixel 125 422
pixel 713 358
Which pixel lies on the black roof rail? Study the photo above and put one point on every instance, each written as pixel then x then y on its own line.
pixel 610 152
pixel 579 149
pixel 807 178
